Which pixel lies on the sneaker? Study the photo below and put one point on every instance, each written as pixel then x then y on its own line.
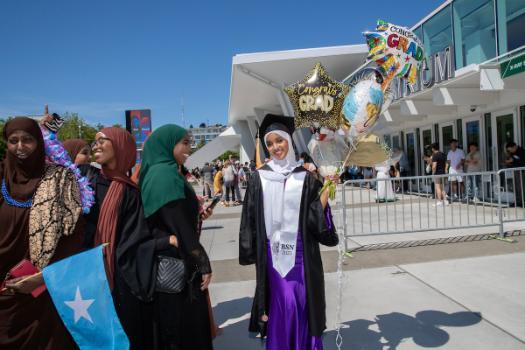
pixel 475 200
pixel 445 202
pixel 438 204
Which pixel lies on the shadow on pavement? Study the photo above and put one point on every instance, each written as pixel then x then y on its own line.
pixel 204 228
pixel 392 329
pixel 385 332
pixel 234 316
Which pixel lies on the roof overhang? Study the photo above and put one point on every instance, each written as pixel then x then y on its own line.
pixel 474 89
pixel 257 79
pixel 227 140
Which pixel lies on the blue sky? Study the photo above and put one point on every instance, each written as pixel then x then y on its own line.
pixel 101 57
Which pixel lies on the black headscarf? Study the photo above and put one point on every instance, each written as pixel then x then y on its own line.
pixel 23 175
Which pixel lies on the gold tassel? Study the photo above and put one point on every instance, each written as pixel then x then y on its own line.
pixel 258 162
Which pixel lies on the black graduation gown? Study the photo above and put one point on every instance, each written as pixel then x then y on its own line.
pixel 314 230
pixel 135 264
pixel 181 320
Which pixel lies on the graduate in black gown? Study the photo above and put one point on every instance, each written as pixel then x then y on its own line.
pixel 172 210
pixel 284 219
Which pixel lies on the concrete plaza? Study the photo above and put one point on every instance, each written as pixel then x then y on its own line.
pixel 450 296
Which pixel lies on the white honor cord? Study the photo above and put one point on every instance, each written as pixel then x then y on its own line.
pixel 340 259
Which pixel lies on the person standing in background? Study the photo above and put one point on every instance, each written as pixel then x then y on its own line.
pixel 517 160
pixel 237 173
pixel 79 151
pixel 207 177
pixel 474 164
pixel 228 176
pixel 439 163
pixel 455 163
pixel 218 183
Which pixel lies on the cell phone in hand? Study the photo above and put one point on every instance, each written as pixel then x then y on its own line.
pixel 214 202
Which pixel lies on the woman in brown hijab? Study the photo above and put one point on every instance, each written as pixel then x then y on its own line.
pixel 117 218
pixel 38 225
pixel 78 150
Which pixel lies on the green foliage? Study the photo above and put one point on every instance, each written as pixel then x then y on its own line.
pixel 76 127
pixel 201 144
pixel 226 155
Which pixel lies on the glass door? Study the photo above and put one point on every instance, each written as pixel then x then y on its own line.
pixel 426 139
pixel 396 143
pixel 411 152
pixel 472 134
pixel 448 132
pixel 505 130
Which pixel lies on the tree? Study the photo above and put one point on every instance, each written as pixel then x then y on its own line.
pixel 202 125
pixel 191 126
pixel 226 155
pixel 117 125
pixel 201 144
pixel 76 127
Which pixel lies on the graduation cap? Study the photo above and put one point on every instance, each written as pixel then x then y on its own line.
pixel 272 122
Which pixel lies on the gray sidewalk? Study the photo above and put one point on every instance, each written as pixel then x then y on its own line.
pixel 456 296
pixel 472 303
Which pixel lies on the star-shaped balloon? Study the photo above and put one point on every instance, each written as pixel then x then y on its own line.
pixel 317 99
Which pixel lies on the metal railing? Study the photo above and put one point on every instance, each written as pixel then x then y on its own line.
pixel 408 204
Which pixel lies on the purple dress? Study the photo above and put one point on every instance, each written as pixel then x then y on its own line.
pixel 287 317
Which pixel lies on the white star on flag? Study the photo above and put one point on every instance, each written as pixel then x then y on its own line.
pixel 80 306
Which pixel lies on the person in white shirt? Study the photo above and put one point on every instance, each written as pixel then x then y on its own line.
pixel 455 163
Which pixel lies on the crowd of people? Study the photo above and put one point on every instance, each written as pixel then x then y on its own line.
pixel 460 177
pixel 149 214
pixel 224 179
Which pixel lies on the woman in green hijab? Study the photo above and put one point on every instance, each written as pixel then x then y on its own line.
pixel 171 208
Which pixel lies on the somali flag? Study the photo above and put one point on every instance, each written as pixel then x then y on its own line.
pixel 80 291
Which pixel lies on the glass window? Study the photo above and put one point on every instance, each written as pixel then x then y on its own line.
pixel 411 152
pixel 504 134
pixel 437 32
pixel 488 141
pixel 522 117
pixel 448 134
pixel 395 142
pixel 472 133
pixel 388 140
pixel 511 21
pixel 474 31
pixel 426 136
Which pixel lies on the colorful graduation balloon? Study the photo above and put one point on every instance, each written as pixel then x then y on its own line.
pixel 396 50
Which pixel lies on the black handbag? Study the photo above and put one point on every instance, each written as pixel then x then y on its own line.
pixel 171 274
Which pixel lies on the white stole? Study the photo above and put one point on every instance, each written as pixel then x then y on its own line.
pixel 282 199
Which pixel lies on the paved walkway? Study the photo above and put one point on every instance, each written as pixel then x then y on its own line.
pixel 452 296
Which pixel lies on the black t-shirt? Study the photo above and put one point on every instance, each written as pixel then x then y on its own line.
pixel 518 159
pixel 441 161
